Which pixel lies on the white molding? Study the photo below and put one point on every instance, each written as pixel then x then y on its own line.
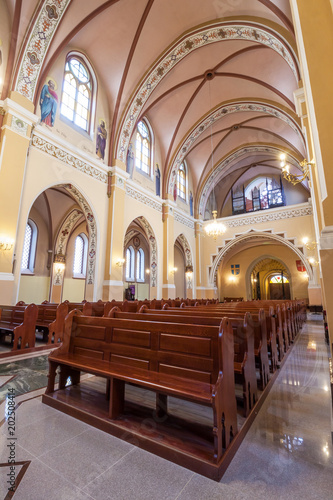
pixel 299 98
pixel 6 277
pixel 326 238
pixel 51 145
pixel 169 286
pixel 299 210
pixel 47 135
pixel 13 108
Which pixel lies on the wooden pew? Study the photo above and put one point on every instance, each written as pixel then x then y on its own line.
pixel 189 362
pixel 20 322
pixel 270 310
pixel 272 333
pixel 244 331
pixel 56 327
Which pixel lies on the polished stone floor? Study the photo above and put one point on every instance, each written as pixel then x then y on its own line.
pixel 287 453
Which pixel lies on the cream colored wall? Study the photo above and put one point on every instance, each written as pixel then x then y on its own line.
pixel 44 171
pixel 34 289
pixel 180 273
pixel 73 289
pixel 239 286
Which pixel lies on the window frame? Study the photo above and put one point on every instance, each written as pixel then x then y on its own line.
pixel 131 266
pixel 83 273
pixel 183 166
pixel 30 270
pixel 93 92
pixel 150 172
pixel 135 253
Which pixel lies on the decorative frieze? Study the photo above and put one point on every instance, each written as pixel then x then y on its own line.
pixel 35 50
pixel 142 198
pixel 183 220
pixel 268 215
pixel 68 158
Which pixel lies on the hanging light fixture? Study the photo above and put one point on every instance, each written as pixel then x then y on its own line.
pixel 214 228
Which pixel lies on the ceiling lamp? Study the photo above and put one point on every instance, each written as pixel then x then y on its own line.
pixel 214 228
pixel 295 179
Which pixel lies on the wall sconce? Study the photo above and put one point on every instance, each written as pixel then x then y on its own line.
pixel 313 261
pixel 59 267
pixel 6 244
pixel 173 270
pixel 147 271
pixel 59 262
pixel 189 272
pixel 120 262
pixel 310 246
pixel 295 179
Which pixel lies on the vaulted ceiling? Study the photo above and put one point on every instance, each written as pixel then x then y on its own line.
pixel 215 78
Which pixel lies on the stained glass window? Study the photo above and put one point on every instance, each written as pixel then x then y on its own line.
pixel 278 279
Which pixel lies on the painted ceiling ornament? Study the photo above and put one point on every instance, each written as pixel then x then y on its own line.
pixel 183 47
pixel 37 46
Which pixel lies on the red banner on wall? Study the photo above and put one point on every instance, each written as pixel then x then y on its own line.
pixel 300 266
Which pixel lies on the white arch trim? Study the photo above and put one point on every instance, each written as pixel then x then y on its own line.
pixel 214 177
pixel 252 234
pixel 218 114
pixel 211 33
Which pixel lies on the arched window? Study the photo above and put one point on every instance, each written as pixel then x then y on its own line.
pixel 143 148
pixel 129 273
pixel 279 279
pixel 140 265
pixel 80 256
pixel 77 91
pixel 29 248
pixel 181 182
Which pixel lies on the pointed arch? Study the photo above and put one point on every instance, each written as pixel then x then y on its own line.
pixel 150 235
pixel 92 230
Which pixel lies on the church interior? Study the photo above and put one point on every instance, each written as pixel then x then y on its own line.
pixel 149 149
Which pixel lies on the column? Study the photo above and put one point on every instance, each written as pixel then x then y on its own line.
pixel 168 286
pixel 14 144
pixel 113 285
pixel 314 34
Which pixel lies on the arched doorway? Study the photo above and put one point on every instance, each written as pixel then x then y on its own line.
pixel 136 271
pixel 59 252
pixel 179 276
pixel 270 280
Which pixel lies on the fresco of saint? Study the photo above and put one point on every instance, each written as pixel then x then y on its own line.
pixel 48 102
